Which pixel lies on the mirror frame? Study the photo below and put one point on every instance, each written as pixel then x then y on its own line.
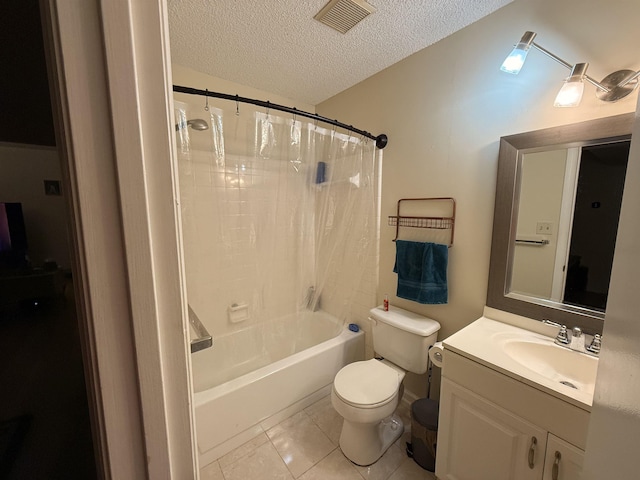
pixel 609 129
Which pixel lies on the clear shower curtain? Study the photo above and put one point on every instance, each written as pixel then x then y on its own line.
pixel 279 215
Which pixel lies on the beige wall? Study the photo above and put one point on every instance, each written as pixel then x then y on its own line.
pixel 23 171
pixel 445 107
pixel 187 77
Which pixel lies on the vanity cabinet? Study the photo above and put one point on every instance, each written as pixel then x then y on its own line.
pixel 493 427
pixel 563 461
pixel 482 441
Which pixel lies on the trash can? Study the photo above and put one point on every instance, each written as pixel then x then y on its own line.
pixel 424 431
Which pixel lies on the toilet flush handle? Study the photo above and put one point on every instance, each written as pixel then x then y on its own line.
pixel 373 321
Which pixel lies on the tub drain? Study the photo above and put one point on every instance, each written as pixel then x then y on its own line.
pixel 568 384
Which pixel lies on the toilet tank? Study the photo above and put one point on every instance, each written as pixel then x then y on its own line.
pixel 403 337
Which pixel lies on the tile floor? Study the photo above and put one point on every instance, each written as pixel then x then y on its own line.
pixel 305 447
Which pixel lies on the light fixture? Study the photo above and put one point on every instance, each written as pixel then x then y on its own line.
pixel 612 88
pixel 513 63
pixel 571 92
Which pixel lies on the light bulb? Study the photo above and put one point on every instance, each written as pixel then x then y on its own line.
pixel 570 94
pixel 513 63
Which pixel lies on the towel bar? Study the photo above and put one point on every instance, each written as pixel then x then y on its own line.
pixel 532 242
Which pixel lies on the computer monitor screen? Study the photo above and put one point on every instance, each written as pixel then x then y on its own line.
pixel 13 238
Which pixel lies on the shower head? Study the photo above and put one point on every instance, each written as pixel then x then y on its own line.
pixel 196 124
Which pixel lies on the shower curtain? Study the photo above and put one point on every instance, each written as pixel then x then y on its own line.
pixel 280 215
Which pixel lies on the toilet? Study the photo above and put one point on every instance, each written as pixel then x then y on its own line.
pixel 367 393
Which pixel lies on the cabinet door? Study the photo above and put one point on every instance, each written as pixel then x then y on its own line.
pixel 563 461
pixel 477 440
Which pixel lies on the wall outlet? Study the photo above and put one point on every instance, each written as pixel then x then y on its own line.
pixel 544 228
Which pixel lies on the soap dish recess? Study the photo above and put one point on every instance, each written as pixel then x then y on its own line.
pixel 238 312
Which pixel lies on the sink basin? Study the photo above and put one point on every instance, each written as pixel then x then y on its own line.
pixel 529 356
pixel 567 367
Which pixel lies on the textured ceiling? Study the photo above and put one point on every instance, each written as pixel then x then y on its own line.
pixel 277 46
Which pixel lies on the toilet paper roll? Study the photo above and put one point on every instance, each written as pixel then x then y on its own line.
pixel 436 354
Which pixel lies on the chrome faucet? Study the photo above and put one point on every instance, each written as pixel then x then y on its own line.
pixel 562 338
pixel 596 344
pixel 312 301
pixel 576 340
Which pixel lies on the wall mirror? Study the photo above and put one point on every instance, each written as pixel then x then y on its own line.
pixel 558 196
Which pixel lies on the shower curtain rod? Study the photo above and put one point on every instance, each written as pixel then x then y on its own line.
pixel 381 140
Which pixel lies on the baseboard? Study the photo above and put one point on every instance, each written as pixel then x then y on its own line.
pixel 408 398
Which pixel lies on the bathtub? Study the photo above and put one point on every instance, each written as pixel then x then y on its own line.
pixel 303 352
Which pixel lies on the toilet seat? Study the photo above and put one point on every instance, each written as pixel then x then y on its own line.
pixel 367 384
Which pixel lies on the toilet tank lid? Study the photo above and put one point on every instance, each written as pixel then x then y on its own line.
pixel 405 320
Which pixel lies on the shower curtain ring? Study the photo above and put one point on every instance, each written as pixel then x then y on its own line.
pixel 237 106
pixel 267 109
pixel 206 100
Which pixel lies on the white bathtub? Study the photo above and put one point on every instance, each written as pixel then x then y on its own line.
pixel 230 413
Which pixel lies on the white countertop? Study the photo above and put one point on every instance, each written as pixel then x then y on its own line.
pixel 483 342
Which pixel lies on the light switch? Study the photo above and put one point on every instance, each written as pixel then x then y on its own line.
pixel 544 228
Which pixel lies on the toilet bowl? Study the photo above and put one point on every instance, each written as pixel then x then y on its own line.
pixel 366 393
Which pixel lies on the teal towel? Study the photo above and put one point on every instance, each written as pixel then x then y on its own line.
pixel 422 271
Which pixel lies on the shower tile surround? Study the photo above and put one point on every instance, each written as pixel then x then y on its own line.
pixel 305 446
pixel 242 198
pixel 220 256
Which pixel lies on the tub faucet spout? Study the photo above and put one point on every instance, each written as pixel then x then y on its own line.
pixel 311 301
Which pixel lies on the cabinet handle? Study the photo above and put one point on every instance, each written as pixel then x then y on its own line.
pixel 556 466
pixel 532 452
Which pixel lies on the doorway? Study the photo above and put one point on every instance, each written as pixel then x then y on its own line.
pixel 594 227
pixel 45 429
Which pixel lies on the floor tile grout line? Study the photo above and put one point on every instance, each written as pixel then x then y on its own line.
pixel 316 463
pixel 332 451
pixel 337 447
pixel 396 469
pixel 276 449
pixel 355 468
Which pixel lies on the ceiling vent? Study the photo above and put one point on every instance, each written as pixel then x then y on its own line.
pixel 342 15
